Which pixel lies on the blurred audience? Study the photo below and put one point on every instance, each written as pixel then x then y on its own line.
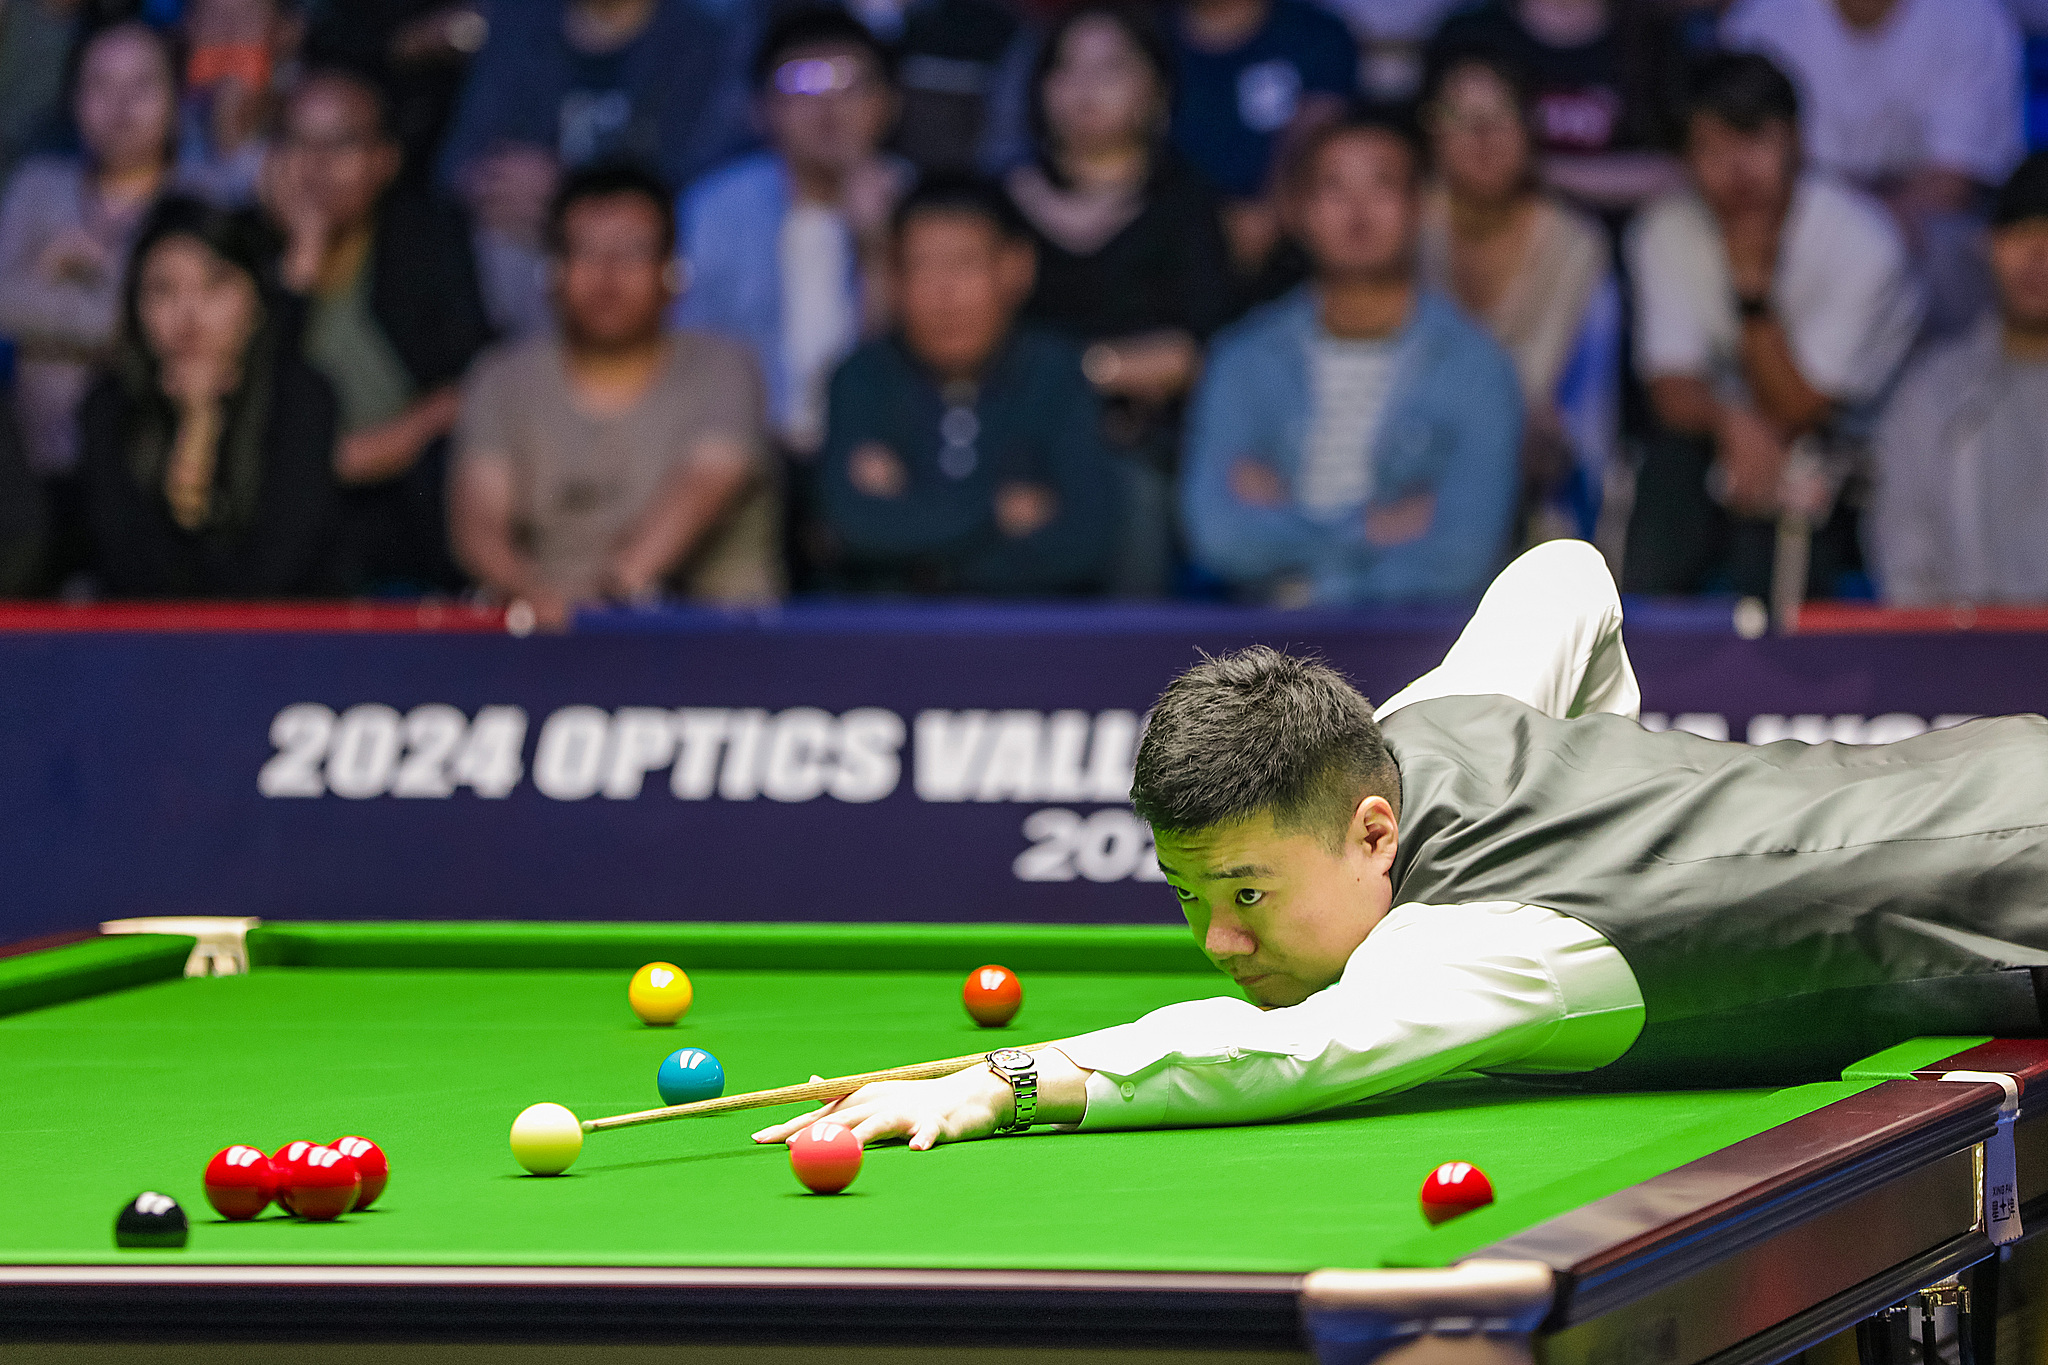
pixel 787 248
pixel 564 83
pixel 1962 495
pixel 1393 39
pixel 1606 78
pixel 393 316
pixel 1355 442
pixel 1773 306
pixel 840 338
pixel 1917 101
pixel 964 453
pixel 962 66
pixel 419 49
pixel 207 444
pixel 615 461
pixel 1537 272
pixel 239 58
pixel 66 227
pixel 1250 75
pixel 1131 258
pixel 36 38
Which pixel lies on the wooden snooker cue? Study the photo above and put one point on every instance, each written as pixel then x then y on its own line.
pixel 836 1088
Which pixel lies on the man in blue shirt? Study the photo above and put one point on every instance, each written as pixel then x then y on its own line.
pixel 1355 441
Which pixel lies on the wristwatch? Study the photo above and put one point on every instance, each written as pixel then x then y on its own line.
pixel 1020 1069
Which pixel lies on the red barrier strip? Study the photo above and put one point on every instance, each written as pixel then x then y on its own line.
pixel 250 616
pixel 1856 618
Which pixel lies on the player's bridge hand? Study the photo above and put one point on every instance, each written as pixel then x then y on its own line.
pixel 966 1104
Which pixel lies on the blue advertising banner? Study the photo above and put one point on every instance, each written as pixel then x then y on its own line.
pixel 816 763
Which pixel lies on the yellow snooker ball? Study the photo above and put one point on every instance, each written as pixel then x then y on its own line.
pixel 546 1139
pixel 660 993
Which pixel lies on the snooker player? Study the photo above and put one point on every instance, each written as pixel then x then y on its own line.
pixel 1501 871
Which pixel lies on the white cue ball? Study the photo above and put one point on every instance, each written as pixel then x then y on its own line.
pixel 546 1139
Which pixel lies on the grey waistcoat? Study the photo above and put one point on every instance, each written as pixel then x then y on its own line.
pixel 1786 909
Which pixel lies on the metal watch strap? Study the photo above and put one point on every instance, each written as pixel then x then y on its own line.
pixel 1020 1070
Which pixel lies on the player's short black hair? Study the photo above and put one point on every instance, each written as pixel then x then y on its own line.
pixel 964 195
pixel 1743 90
pixel 606 180
pixel 1259 730
pixel 1391 121
pixel 816 26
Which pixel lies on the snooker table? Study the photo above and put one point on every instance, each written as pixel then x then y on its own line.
pixel 1683 1226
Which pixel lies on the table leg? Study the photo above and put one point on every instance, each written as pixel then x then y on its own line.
pixel 1885 1338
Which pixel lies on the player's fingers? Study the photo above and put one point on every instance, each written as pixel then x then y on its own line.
pixel 881 1125
pixel 926 1136
pixel 779 1131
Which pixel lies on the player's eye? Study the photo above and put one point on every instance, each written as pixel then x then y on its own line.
pixel 1186 896
pixel 1248 896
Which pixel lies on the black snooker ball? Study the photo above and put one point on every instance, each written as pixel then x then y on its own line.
pixel 151 1220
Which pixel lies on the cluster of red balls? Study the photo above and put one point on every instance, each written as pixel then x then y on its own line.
pixel 305 1178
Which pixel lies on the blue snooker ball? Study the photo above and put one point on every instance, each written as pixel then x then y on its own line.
pixel 689 1074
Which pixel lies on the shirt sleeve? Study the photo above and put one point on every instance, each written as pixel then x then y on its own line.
pixel 34 308
pixel 1433 990
pixel 733 401
pixel 1973 122
pixel 484 425
pixel 1855 308
pixel 1547 634
pixel 1665 256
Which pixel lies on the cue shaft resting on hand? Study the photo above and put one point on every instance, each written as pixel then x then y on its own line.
pixel 838 1087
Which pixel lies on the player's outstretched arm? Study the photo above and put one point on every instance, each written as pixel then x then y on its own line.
pixel 967 1104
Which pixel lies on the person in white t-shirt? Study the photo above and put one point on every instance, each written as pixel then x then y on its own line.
pixel 1773 306
pixel 1918 101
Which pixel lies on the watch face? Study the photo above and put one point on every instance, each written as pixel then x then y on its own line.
pixel 1011 1059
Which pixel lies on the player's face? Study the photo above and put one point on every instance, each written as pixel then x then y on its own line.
pixel 1281 912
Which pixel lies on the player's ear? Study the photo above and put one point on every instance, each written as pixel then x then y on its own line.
pixel 1375 831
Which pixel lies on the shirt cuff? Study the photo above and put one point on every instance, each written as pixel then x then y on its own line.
pixel 1120 1102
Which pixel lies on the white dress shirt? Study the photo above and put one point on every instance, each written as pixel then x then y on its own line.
pixel 1433 989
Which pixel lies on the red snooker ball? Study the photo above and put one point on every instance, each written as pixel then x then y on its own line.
pixel 323 1183
pixel 992 995
pixel 370 1164
pixel 240 1182
pixel 280 1167
pixel 825 1157
pixel 1453 1188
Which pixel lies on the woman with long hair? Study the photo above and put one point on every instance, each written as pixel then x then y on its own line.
pixel 208 445
pixel 1131 256
pixel 1536 272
